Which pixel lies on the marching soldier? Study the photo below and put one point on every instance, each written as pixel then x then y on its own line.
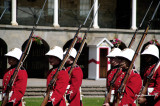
pixel 20 83
pixel 114 66
pixel 151 56
pixel 55 56
pixel 134 82
pixel 73 93
pixel 113 59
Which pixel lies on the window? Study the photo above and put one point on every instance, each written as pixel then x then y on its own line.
pixel 84 7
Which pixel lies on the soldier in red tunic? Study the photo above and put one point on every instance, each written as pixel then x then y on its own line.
pixel 113 59
pixel 134 82
pixel 55 56
pixel 20 83
pixel 151 56
pixel 114 65
pixel 73 93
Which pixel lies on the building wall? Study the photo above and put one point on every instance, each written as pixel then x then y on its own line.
pixel 16 36
pixel 93 67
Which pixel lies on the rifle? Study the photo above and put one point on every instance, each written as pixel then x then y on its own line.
pixel 53 81
pixel 124 81
pixel 7 5
pixel 134 36
pixel 149 77
pixel 3 13
pixel 22 59
pixel 107 98
pixel 82 45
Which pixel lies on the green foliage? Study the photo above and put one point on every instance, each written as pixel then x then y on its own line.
pixel 37 39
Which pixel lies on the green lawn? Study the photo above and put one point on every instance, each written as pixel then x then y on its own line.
pixel 93 101
pixel 86 101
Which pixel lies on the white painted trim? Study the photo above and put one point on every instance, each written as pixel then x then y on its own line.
pixel 14 10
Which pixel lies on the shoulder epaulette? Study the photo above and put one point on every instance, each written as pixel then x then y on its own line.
pixel 76 66
pixel 135 72
pixel 22 68
pixel 63 68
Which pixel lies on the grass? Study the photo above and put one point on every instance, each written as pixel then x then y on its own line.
pixel 86 101
pixel 93 101
pixel 33 101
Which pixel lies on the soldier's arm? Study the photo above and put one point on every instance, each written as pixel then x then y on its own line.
pixel 76 81
pixel 156 91
pixel 132 89
pixel 59 88
pixel 19 87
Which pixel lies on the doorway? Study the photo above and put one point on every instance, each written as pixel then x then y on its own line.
pixel 103 62
pixel 3 59
pixel 36 62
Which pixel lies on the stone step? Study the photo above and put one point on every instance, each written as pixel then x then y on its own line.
pixel 87 91
pixel 93 89
pixel 93 93
pixel 34 94
pixel 35 89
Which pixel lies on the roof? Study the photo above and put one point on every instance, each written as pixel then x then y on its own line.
pixel 100 41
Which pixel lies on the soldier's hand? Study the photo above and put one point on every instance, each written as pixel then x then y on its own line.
pixel 49 104
pixel 9 104
pixel 142 100
pixel 106 104
pixel 68 98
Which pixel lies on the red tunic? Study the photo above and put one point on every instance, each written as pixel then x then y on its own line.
pixel 75 83
pixel 110 75
pixel 59 88
pixel 132 89
pixel 19 86
pixel 155 83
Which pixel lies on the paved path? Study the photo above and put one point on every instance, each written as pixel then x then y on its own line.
pixel 34 82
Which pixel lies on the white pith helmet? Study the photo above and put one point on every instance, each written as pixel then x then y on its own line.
pixel 114 52
pixel 72 52
pixel 15 52
pixel 56 51
pixel 151 50
pixel 127 53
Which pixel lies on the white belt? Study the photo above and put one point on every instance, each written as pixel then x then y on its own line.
pixel 150 90
pixel 10 94
pixel 112 95
pixel 50 94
